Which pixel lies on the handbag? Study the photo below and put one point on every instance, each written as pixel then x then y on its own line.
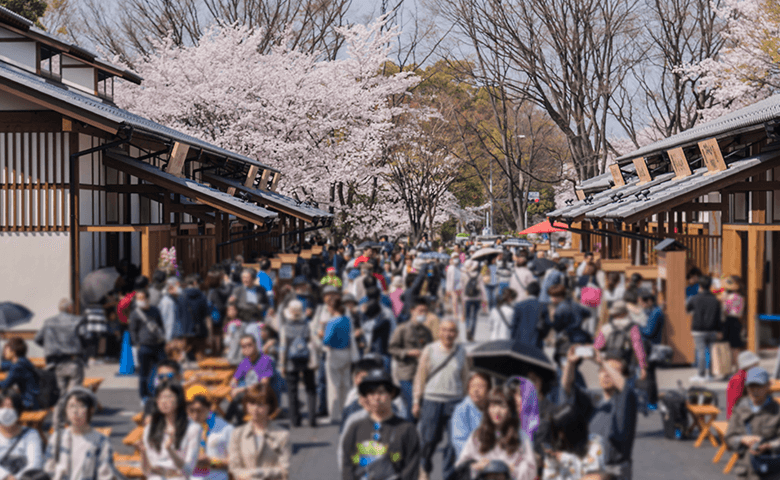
pixel 15 464
pixel 590 295
pixel 765 464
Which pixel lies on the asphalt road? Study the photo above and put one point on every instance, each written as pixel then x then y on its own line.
pixel 314 450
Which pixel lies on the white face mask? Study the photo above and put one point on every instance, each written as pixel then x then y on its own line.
pixel 420 318
pixel 143 305
pixel 8 417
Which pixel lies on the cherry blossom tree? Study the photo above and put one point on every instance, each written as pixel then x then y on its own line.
pixel 324 124
pixel 746 70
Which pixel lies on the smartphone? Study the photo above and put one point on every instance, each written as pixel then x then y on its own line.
pixel 585 351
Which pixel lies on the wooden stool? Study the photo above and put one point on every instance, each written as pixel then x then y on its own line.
pixel 218 394
pixel 34 419
pixel 720 429
pixel 215 363
pixel 138 418
pixel 704 416
pixel 134 437
pixel 209 377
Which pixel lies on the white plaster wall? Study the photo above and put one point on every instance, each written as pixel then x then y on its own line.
pixel 21 54
pixel 35 272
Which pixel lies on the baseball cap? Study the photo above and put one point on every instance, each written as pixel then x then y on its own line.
pixel 757 376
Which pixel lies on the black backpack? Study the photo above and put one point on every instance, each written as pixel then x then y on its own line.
pixel 298 352
pixel 674 414
pixel 48 390
pixel 472 286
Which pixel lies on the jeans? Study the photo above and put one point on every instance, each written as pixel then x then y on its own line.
pixel 406 394
pixel 703 340
pixel 322 389
pixel 491 291
pixel 293 377
pixel 148 358
pixel 433 427
pixel 472 310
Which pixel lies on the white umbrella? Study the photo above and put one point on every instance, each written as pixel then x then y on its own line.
pixel 486 253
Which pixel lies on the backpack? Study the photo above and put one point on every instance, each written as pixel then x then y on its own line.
pixel 48 390
pixel 298 352
pixel 674 414
pixel 472 286
pixel 619 340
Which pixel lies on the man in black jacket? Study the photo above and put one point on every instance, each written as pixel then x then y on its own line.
pixel 706 324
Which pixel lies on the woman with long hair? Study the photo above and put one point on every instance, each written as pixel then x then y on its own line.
pixel 498 437
pixel 171 441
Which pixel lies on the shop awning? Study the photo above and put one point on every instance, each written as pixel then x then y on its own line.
pixel 189 188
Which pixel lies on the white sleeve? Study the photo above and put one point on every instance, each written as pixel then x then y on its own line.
pixel 33 450
pixel 190 448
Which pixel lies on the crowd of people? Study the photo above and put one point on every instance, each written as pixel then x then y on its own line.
pixel 374 337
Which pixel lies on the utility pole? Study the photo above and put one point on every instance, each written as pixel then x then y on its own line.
pixel 491 198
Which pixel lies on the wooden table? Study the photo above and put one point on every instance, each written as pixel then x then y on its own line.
pixel 703 417
pixel 129 465
pixel 134 437
pixel 34 419
pixel 774 386
pixel 215 363
pixel 218 394
pixel 38 362
pixel 209 377
pixel 138 418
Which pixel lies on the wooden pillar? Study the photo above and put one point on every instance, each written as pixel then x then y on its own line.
pixel 75 245
pixel 219 233
pixel 145 253
pixel 753 285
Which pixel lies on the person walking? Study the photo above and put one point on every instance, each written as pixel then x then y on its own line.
pixel 299 360
pixel 169 306
pixel 521 276
pixel 20 446
pixel 195 323
pixel 257 449
pixel 439 385
pixel 502 316
pixel 337 340
pixel 733 311
pixel 525 318
pixel 652 335
pixel 468 413
pixel 251 298
pixel 406 346
pixel 148 336
pixel 472 296
pixel 706 325
pixel 381 445
pixel 453 287
pixel 61 338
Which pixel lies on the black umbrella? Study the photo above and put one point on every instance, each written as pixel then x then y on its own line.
pixel 507 358
pixel 541 265
pixel 97 284
pixel 13 314
pixel 365 245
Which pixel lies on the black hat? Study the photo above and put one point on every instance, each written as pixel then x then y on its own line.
pixel 494 466
pixel 376 377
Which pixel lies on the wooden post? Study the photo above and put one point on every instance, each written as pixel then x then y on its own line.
pixel 671 269
pixel 250 177
pixel 264 180
pixel 275 182
pixel 219 233
pixel 177 158
pixel 754 270
pixel 145 253
pixel 75 245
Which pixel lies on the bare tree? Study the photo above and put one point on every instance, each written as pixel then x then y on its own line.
pixel 127 29
pixel 566 56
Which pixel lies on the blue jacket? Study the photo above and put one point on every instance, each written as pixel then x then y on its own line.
pixel 337 333
pixel 654 328
pixel 555 277
pixel 22 375
pixel 465 419
pixel 525 321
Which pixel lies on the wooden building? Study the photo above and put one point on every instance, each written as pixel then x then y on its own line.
pixel 84 184
pixel 715 189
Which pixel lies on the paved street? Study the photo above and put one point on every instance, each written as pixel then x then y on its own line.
pixel 314 449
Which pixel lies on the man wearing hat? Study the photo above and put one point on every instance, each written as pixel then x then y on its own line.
pixel 330 278
pixel 754 426
pixel 212 457
pixel 736 387
pixel 382 445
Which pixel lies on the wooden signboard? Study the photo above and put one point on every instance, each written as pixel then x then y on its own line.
pixel 176 162
pixel 306 254
pixel 288 257
pixel 642 171
pixel 710 151
pixel 276 263
pixel 679 163
pixel 580 194
pixel 250 177
pixel 617 175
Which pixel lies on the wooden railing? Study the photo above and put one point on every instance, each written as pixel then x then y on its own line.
pixel 195 253
pixel 704 251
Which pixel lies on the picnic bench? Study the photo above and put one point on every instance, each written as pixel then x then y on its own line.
pixel 218 394
pixel 215 363
pixel 209 377
pixel 703 418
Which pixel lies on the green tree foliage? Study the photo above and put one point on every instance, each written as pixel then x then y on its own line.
pixel 32 10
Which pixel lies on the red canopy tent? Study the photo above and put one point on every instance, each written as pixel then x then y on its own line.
pixel 545 227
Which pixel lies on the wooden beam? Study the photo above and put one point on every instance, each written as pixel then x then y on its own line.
pixel 264 180
pixel 760 186
pixel 67 125
pixel 617 175
pixel 75 245
pixel 178 156
pixel 679 163
pixel 710 152
pixel 699 207
pixel 138 188
pixel 275 182
pixel 642 171
pixel 754 268
pixel 250 177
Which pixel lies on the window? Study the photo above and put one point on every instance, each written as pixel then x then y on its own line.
pixel 105 86
pixel 51 63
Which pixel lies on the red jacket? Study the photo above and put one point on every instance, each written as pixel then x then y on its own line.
pixel 734 390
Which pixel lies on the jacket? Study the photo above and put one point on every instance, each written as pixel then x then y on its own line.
pixel 465 419
pixel 409 336
pixel 265 459
pixel 526 320
pixel 98 461
pixel 22 375
pixel 286 339
pixel 706 312
pixel 193 311
pixel 140 334
pixel 568 319
pixel 396 455
pixel 765 423
pixel 653 330
pixel 61 336
pixel 247 308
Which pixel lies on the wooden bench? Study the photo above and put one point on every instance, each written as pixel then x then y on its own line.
pixel 703 417
pixel 720 429
pixel 215 363
pixel 93 383
pixel 209 377
pixel 138 418
pixel 34 419
pixel 129 465
pixel 218 394
pixel 134 437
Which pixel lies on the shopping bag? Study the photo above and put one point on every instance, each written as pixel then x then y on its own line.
pixel 720 355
